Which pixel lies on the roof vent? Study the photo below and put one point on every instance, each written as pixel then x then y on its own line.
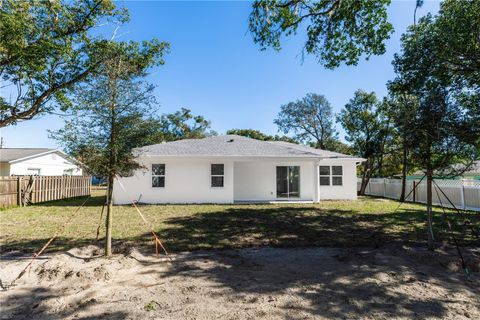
pixel 231 140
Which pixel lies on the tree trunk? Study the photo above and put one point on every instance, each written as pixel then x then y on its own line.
pixel 108 222
pixel 363 185
pixel 404 173
pixel 431 237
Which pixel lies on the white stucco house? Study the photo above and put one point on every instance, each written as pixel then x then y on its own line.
pixel 236 169
pixel 37 161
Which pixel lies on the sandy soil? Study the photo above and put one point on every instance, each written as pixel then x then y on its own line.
pixel 270 283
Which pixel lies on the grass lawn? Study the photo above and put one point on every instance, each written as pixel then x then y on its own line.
pixel 366 222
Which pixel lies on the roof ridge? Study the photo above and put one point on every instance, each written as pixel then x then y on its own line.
pixel 292 146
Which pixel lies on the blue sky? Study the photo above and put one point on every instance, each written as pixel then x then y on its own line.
pixel 216 70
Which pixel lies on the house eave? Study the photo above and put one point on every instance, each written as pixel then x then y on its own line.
pixel 305 157
pixel 32 156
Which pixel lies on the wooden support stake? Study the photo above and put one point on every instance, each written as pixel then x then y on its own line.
pixel 19 191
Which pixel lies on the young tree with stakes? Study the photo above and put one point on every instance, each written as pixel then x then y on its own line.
pixel 110 116
pixel 441 73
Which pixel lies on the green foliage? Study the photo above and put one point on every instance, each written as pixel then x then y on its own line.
pixel 111 112
pixel 310 119
pixel 256 134
pixel 151 306
pixel 337 31
pixel 446 121
pixel 183 124
pixel 455 33
pixel 368 130
pixel 46 47
pixel 338 146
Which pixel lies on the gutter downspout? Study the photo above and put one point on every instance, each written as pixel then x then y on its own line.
pixel 316 181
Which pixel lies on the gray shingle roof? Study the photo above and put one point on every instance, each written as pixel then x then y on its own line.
pixel 11 154
pixel 235 146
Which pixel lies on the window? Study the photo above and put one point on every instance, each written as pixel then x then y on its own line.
pixel 337 172
pixel 288 182
pixel 331 175
pixel 68 172
pixel 324 175
pixel 217 175
pixel 33 171
pixel 158 175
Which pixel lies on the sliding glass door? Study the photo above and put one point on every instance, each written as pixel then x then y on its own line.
pixel 288 182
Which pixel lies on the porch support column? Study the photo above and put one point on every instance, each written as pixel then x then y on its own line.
pixel 316 181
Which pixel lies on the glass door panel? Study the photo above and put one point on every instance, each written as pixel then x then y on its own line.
pixel 288 182
pixel 282 182
pixel 294 182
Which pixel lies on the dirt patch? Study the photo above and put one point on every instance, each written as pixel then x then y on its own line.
pixel 271 283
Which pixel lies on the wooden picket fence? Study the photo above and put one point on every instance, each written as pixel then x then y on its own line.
pixel 23 190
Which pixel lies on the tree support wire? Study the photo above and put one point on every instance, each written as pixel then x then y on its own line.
pixel 157 240
pixel 466 221
pixel 447 222
pixel 36 255
pixel 452 234
pixel 413 190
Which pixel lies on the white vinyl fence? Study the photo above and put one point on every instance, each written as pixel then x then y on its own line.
pixel 464 194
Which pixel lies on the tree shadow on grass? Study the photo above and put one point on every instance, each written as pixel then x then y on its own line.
pixel 300 226
pixel 356 287
pixel 331 283
pixel 328 288
pixel 279 226
pixel 94 200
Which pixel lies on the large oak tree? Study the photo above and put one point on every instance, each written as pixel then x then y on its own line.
pixel 45 48
pixel 338 31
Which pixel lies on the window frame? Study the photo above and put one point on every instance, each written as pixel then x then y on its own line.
pixel 330 176
pixel 217 175
pixel 158 175
pixel 289 168
pixel 68 172
pixel 38 171
pixel 337 176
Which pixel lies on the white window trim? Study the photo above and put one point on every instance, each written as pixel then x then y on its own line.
pixel 336 176
pixel 330 176
pixel 288 183
pixel 35 169
pixel 158 175
pixel 68 172
pixel 217 175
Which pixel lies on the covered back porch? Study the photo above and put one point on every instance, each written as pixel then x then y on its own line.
pixel 275 180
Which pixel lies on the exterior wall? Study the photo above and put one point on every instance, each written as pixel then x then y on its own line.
pixel 186 181
pixel 257 180
pixel 4 169
pixel 347 191
pixel 52 164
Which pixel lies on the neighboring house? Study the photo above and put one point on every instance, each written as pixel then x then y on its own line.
pixel 37 161
pixel 231 169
